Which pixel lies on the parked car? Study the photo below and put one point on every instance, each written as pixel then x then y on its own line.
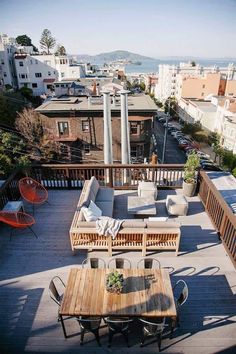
pixel 208 166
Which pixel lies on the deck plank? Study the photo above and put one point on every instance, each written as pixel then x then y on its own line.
pixel 28 317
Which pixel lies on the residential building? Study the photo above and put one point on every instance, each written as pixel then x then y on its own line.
pixel 171 76
pixel 225 123
pixel 77 122
pixel 7 68
pixel 200 87
pixel 193 111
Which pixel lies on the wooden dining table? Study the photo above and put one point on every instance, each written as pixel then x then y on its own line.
pixel 146 293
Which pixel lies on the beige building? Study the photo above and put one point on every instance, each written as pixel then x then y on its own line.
pixel 230 89
pixel 200 87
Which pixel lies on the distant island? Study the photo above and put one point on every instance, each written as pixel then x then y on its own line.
pixel 113 56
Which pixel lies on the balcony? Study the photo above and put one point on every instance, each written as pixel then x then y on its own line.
pixel 29 317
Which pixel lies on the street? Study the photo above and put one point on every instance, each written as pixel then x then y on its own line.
pixel 173 154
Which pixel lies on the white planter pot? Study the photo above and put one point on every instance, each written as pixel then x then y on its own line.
pixel 189 189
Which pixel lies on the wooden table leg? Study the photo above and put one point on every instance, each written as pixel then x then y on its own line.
pixel 63 326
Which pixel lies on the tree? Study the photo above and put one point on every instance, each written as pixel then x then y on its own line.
pixel 9 105
pixel 142 86
pixel 33 129
pixel 171 106
pixel 47 42
pixel 24 40
pixel 61 50
pixel 193 63
pixel 12 153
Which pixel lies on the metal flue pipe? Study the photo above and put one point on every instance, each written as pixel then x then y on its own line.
pixel 108 153
pixel 125 135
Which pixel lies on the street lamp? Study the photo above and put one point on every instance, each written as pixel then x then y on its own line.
pixel 165 135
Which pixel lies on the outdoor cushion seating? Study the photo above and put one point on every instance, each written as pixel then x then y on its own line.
pixel 176 205
pixel 147 189
pixel 134 234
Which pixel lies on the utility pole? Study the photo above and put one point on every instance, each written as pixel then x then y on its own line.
pixel 165 135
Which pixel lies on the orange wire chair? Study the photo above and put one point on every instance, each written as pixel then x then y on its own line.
pixel 17 220
pixel 32 191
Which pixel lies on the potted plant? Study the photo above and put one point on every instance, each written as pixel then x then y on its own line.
pixel 114 282
pixel 190 175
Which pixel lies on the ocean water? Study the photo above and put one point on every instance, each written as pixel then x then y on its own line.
pixel 151 66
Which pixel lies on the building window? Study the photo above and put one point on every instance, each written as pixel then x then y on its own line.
pixel 21 63
pixel 34 85
pixel 86 148
pixel 49 73
pixel 38 75
pixel 23 76
pixel 203 86
pixel 62 74
pixel 63 128
pixel 137 151
pixel 57 85
pixel 2 62
pixel 202 94
pixel 31 61
pixel 133 128
pixel 85 126
pixel 36 61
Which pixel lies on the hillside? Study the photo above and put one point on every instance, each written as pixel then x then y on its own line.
pixel 113 56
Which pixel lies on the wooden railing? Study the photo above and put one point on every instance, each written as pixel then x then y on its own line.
pixel 116 176
pixel 220 213
pixel 9 190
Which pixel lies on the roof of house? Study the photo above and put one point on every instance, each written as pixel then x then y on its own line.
pixel 142 103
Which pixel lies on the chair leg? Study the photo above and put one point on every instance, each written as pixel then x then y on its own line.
pixel 159 341
pixel 126 338
pixel 110 338
pixel 143 339
pixel 82 336
pixel 96 333
pixel 32 231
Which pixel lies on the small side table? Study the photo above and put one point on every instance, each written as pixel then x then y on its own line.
pixel 14 206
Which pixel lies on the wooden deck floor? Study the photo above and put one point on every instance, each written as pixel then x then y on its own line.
pixel 28 316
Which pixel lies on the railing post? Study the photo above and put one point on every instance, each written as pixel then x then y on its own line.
pixel 111 177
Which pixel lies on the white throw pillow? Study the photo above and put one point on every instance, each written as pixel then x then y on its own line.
pixel 95 209
pixel 92 213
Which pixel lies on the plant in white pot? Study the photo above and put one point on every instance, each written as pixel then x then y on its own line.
pixel 190 175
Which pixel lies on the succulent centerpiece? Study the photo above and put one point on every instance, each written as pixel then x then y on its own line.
pixel 114 282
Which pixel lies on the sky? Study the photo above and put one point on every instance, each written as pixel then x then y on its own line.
pixel 156 28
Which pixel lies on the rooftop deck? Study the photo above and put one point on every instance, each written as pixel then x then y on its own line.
pixel 28 318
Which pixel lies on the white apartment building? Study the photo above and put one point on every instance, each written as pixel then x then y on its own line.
pixel 217 115
pixel 225 123
pixel 39 71
pixel 193 111
pixel 170 76
pixel 7 69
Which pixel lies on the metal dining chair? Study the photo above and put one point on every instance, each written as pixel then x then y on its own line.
pixel 89 324
pixel 152 327
pixel 56 291
pixel 118 325
pixel 119 263
pixel 180 291
pixel 93 263
pixel 148 263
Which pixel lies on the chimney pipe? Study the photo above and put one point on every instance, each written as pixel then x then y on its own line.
pixel 125 138
pixel 108 154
